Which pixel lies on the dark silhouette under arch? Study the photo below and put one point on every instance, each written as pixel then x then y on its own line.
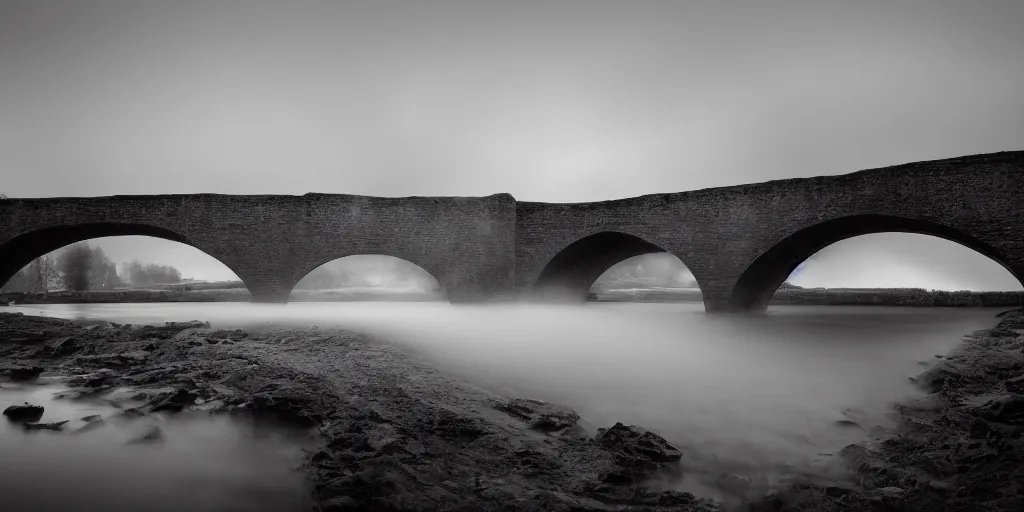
pixel 569 275
pixel 21 250
pixel 765 275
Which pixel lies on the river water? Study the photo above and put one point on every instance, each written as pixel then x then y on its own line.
pixel 756 396
pixel 199 463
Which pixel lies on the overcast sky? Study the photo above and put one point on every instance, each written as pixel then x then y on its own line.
pixel 549 101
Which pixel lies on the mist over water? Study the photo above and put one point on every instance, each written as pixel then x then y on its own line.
pixel 201 463
pixel 754 396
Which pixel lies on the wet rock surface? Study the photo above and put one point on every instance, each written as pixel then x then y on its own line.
pixel 396 433
pixel 24 413
pixel 54 425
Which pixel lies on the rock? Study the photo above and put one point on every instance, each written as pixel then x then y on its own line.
pixel 890 492
pixel 939 485
pixel 65 347
pixel 90 380
pixel 25 373
pixel 933 379
pixel 860 459
pixel 635 447
pixel 1015 385
pixel 677 499
pixel 151 435
pixel 56 425
pixel 121 360
pixel 832 489
pixel 980 429
pixel 220 334
pixel 92 417
pixel 538 414
pixel 299 410
pixel 90 426
pixel 24 413
pixel 175 402
pixel 132 412
pixel 1005 410
pixel 848 424
pixel 223 335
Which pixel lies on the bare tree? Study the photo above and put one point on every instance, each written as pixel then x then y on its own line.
pixel 75 264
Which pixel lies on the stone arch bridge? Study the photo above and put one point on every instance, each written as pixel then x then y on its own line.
pixel 740 242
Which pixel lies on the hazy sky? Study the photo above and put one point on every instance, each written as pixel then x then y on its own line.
pixel 550 101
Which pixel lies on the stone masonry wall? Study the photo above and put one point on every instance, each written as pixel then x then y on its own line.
pixel 718 233
pixel 493 247
pixel 271 242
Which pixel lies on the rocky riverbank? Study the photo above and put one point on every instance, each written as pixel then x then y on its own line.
pixel 960 449
pixel 398 435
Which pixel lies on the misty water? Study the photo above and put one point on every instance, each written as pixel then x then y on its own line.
pixel 756 396
pixel 200 462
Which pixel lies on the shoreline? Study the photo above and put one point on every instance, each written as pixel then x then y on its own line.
pixel 397 433
pixel 960 448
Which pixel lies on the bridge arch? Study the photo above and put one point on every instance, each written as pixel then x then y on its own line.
pixel 569 275
pixel 759 281
pixel 419 270
pixel 20 250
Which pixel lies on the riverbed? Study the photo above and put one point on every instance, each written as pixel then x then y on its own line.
pixel 764 397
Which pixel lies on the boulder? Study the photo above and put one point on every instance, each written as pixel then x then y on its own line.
pixel 635 446
pixel 24 413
